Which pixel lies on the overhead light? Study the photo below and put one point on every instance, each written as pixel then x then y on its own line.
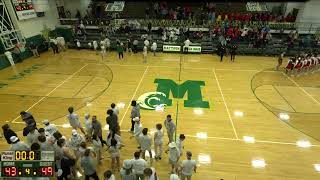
pixel 258 163
pixel 303 144
pixel 284 116
pixel 248 139
pixel 202 135
pixel 121 105
pixel 198 111
pixel 66 125
pixel 317 167
pixel 238 113
pixel 204 159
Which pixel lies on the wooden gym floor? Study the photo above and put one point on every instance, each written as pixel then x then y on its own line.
pixel 46 86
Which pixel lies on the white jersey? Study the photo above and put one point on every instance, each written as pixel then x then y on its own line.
pixel 174 154
pixel 88 124
pixel 33 137
pixel 137 129
pixel 138 165
pixel 145 142
pixel 158 137
pixel 114 151
pixel 95 44
pixel 51 128
pixel 145 51
pixel 61 41
pixel 180 146
pixel 146 42
pixel 187 43
pixel 188 167
pixel 19 146
pixel 107 41
pixel 74 120
pixel 154 46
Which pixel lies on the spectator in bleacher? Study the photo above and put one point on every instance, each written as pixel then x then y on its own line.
pixel 147 11
pixel 156 8
pixel 200 34
pixel 172 35
pixel 149 27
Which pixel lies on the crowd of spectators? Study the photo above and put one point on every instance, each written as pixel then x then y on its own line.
pixel 208 12
pixel 162 10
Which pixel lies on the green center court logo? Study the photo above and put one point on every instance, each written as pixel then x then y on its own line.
pixel 161 98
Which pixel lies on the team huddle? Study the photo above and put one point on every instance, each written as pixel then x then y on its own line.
pixel 302 64
pixel 84 153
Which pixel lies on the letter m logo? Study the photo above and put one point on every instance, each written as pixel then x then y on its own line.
pixel 192 88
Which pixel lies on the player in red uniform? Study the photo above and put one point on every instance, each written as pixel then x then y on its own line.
pixel 290 65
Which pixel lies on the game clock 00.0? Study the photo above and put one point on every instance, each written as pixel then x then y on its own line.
pixel 12 171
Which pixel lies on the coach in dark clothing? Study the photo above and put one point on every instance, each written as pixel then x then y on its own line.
pixel 221 51
pixel 8 133
pixel 112 121
pixel 29 120
pixel 233 49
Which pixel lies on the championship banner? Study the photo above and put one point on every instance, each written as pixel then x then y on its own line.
pixel 24 9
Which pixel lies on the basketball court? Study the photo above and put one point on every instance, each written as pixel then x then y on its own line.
pixel 234 115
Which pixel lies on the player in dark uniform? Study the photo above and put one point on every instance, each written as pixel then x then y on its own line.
pixel 221 51
pixel 233 50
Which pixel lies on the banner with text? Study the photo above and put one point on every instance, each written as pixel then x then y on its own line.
pixel 24 9
pixel 171 48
